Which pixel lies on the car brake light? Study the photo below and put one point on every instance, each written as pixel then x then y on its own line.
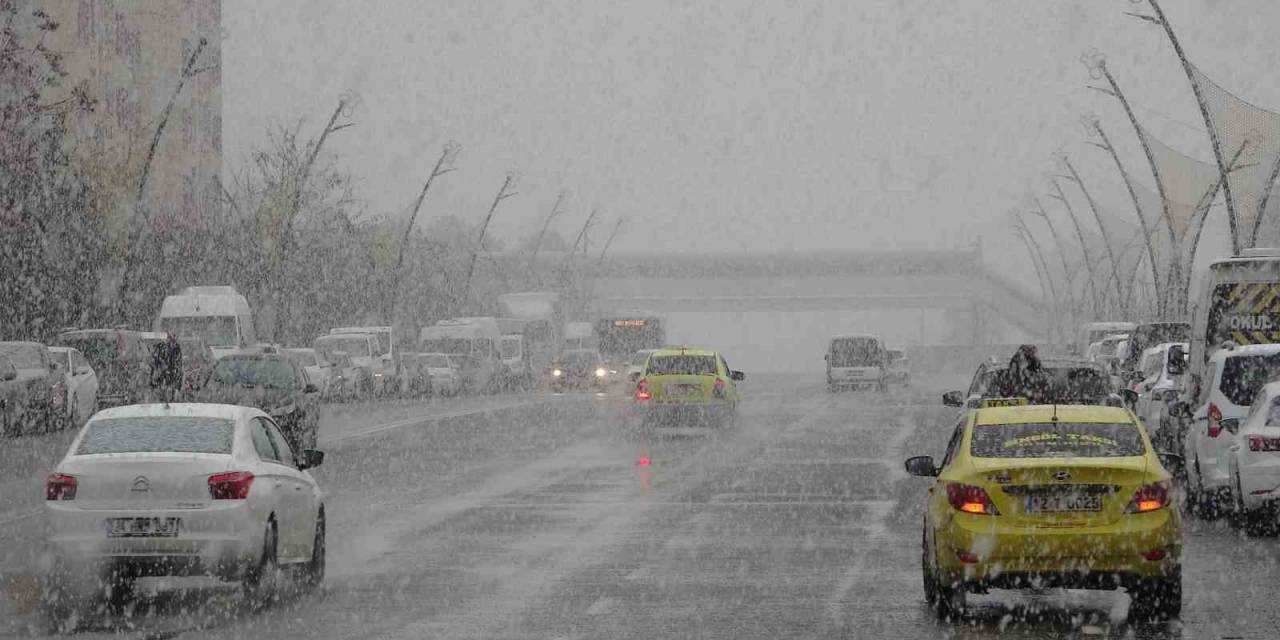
pixel 1260 443
pixel 971 499
pixel 1215 420
pixel 60 486
pixel 642 390
pixel 1149 497
pixel 233 485
pixel 719 387
pixel 1155 555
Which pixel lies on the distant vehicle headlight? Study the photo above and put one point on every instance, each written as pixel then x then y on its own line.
pixel 557 373
pixel 600 373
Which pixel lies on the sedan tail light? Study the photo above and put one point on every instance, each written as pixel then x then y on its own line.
pixel 60 486
pixel 1261 443
pixel 1149 497
pixel 642 390
pixel 1215 420
pixel 718 389
pixel 970 499
pixel 233 485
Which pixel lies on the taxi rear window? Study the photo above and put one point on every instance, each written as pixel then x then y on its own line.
pixel 682 365
pixel 1056 440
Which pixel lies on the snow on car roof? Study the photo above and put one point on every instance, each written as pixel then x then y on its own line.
pixel 205 410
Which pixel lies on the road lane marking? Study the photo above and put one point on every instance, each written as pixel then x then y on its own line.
pixel 434 417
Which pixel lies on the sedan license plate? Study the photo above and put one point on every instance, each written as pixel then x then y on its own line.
pixel 682 390
pixel 143 527
pixel 1064 503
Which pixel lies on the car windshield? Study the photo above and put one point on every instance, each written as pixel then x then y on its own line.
pixel 216 331
pixel 354 346
pixel 452 346
pixel 1056 440
pixel 267 372
pixel 26 356
pixel 157 434
pixel 855 352
pixel 579 358
pixel 1244 375
pixel 300 357
pixel 436 361
pixel 682 365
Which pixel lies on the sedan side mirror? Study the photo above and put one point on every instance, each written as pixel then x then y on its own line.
pixel 953 398
pixel 1172 462
pixel 737 376
pixel 1230 424
pixel 310 459
pixel 1130 397
pixel 634 377
pixel 10 375
pixel 921 466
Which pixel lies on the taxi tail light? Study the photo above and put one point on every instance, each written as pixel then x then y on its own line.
pixel 718 389
pixel 1155 555
pixel 642 390
pixel 971 499
pixel 1149 497
pixel 60 486
pixel 1260 443
pixel 232 485
pixel 1215 420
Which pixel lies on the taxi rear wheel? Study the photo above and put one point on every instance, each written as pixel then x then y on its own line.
pixel 930 586
pixel 1158 599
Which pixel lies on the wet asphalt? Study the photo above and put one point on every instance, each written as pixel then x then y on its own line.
pixel 554 516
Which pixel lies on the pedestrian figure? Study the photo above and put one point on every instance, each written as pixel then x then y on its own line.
pixel 166 368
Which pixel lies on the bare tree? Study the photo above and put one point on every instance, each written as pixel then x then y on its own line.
pixel 505 192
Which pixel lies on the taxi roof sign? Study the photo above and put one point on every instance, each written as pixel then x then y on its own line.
pixel 1003 402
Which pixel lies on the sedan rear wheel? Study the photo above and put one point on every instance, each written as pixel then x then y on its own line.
pixel 315 567
pixel 261 582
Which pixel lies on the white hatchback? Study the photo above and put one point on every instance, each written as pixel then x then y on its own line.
pixel 1254 462
pixel 175 490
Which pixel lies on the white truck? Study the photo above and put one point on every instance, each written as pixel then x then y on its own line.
pixel 219 315
pixel 543 331
pixel 472 343
pixel 384 362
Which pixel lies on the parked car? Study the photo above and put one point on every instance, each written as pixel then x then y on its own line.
pixel 79 385
pixel 318 370
pixel 1253 464
pixel 1233 377
pixel 34 367
pixel 1159 383
pixel 579 369
pixel 12 397
pixel 218 486
pixel 117 357
pixel 274 384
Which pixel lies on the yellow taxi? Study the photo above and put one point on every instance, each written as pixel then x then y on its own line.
pixel 1071 496
pixel 678 384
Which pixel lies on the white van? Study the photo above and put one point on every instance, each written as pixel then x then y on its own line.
pixel 218 315
pixel 1091 332
pixel 472 343
pixel 1239 303
pixel 857 361
pixel 384 364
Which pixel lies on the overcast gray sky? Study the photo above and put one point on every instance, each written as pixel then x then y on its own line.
pixel 720 125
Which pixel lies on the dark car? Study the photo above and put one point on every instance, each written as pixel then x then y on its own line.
pixel 272 383
pixel 118 357
pixel 579 369
pixel 35 379
pixel 12 398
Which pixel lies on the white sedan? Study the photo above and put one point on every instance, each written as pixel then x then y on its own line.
pixel 79 383
pixel 1255 463
pixel 176 490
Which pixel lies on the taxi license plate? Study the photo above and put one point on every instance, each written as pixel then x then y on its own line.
pixel 682 390
pixel 143 527
pixel 1064 503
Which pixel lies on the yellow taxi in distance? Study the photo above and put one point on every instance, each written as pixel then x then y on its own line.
pixel 679 384
pixel 1045 496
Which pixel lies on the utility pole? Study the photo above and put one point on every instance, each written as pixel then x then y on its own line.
pixel 1115 265
pixel 503 193
pixel 1214 141
pixel 546 224
pixel 291 214
pixel 443 166
pixel 1137 207
pixel 141 219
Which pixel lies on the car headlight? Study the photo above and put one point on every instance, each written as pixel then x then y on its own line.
pixel 556 372
pixel 600 373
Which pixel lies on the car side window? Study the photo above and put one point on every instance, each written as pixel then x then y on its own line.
pixel 976 384
pixel 262 441
pixel 1206 385
pixel 77 360
pixel 281 444
pixel 953 445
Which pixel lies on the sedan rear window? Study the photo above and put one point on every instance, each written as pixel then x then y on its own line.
pixel 682 365
pixel 1056 440
pixel 154 434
